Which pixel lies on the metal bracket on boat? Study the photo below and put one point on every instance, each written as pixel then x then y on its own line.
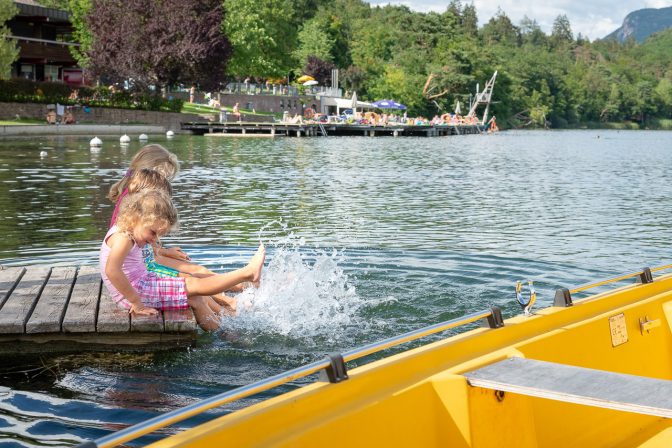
pixel 646 276
pixel 336 371
pixel 495 319
pixel 562 298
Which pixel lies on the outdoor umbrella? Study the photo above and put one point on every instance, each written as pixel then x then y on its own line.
pixel 311 82
pixel 354 103
pixel 305 78
pixel 458 109
pixel 388 104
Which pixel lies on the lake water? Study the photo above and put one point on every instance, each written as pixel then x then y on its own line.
pixel 366 237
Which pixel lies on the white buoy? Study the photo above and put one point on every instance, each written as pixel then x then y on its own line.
pixel 124 139
pixel 143 137
pixel 43 153
pixel 96 142
pixel 170 134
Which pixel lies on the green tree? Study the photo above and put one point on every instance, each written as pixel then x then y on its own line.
pixel 403 87
pixel 314 40
pixel 263 36
pixel 469 20
pixel 8 50
pixel 663 92
pixel 562 31
pixel 79 10
pixel 531 32
pixel 500 29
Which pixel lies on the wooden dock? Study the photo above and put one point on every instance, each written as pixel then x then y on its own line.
pixel 49 309
pixel 272 129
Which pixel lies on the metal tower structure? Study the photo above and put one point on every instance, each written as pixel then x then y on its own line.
pixel 483 97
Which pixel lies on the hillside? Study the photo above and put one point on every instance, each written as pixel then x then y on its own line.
pixel 642 23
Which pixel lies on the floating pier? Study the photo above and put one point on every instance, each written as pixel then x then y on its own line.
pixel 50 309
pixel 268 129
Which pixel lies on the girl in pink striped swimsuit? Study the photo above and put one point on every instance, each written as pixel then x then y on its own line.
pixel 143 218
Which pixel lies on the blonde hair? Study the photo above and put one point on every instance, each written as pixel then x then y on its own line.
pixel 149 207
pixel 147 179
pixel 154 157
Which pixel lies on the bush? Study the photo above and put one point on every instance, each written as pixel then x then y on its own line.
pixel 26 91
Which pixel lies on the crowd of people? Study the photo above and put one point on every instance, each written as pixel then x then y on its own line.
pixel 385 119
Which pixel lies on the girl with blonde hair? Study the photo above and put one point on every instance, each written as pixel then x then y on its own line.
pixel 143 218
pixel 154 157
pixel 146 179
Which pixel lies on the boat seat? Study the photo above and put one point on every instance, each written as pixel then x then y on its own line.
pixel 599 388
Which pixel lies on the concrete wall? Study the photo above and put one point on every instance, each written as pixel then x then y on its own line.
pixel 106 115
pixel 89 130
pixel 102 115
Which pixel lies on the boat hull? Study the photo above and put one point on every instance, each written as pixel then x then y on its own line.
pixel 421 397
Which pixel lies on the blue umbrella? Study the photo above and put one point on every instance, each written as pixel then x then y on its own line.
pixel 388 104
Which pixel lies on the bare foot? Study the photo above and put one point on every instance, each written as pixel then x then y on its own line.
pixel 256 263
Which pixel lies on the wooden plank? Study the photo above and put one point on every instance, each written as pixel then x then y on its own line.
pixel 147 323
pixel 18 306
pixel 49 310
pixel 80 316
pixel 180 321
pixel 80 342
pixel 111 318
pixel 9 277
pixel 598 388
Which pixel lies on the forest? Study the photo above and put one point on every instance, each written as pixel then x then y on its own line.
pixel 427 61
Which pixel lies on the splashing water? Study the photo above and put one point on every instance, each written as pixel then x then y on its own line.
pixel 304 295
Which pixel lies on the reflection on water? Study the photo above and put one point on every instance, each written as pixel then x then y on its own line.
pixel 367 237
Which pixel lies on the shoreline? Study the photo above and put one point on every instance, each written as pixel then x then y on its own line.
pixel 80 129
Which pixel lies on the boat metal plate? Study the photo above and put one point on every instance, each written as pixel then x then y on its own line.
pixel 619 332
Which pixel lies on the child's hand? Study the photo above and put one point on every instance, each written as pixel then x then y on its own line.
pixel 142 310
pixel 176 253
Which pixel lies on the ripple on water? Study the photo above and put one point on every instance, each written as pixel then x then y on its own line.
pixel 367 238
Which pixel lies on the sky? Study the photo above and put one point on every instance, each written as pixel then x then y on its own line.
pixel 592 18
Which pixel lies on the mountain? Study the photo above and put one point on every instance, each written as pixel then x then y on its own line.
pixel 642 23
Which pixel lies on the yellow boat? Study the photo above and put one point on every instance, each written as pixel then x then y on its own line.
pixel 591 372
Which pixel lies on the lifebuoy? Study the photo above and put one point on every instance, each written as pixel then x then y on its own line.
pixel 445 118
pixel 308 113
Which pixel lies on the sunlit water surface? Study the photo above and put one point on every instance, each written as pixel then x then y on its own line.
pixel 366 237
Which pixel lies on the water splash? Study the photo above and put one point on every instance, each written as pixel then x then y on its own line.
pixel 304 295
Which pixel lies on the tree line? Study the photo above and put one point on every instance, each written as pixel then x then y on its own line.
pixel 428 61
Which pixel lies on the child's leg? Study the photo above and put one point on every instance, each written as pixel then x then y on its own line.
pixel 207 319
pixel 218 283
pixel 225 301
pixel 220 299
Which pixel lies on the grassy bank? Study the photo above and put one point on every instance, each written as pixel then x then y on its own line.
pixel 21 122
pixel 195 108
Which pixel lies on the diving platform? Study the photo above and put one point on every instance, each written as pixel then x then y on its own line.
pixel 272 129
pixel 51 309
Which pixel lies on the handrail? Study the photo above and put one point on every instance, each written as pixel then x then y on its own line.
pixel 587 286
pixel 142 428
pixel 42 41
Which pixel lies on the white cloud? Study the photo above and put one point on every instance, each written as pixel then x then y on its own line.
pixel 594 19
